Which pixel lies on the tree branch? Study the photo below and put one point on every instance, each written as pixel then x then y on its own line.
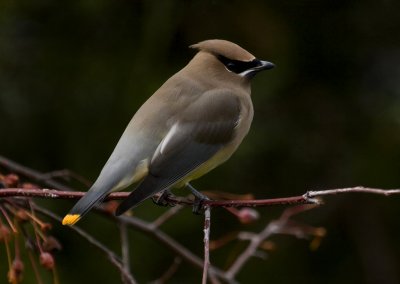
pixel 124 251
pixel 170 243
pixel 274 227
pixel 207 225
pixel 379 191
pixel 310 197
pixel 114 259
pixel 281 226
pixel 31 174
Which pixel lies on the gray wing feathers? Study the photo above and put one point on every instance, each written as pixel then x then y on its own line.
pixel 200 131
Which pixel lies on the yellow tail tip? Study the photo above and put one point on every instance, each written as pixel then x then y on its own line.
pixel 71 219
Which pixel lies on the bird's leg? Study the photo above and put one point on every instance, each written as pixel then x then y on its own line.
pixel 198 199
pixel 161 198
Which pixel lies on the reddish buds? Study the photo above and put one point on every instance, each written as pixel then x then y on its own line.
pixel 47 260
pixel 247 215
pixel 16 272
pixel 4 233
pixel 11 180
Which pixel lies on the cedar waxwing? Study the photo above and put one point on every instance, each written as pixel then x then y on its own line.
pixel 191 124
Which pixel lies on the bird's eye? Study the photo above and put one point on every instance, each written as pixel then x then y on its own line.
pixel 230 65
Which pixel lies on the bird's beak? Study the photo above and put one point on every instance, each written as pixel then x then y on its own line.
pixel 259 65
pixel 264 65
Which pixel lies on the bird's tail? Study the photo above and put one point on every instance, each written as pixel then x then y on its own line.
pixel 90 199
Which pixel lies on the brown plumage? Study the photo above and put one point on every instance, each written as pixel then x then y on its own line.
pixel 191 124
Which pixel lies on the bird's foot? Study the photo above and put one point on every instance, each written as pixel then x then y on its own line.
pixel 198 207
pixel 199 199
pixel 161 199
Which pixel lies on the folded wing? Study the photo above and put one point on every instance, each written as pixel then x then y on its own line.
pixel 199 132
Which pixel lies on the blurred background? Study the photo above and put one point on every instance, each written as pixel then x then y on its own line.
pixel 72 74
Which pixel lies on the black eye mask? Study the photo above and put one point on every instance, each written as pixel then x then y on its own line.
pixel 237 66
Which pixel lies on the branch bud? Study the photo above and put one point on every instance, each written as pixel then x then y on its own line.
pixel 47 260
pixel 248 215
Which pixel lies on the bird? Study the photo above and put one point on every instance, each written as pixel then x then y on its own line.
pixel 193 123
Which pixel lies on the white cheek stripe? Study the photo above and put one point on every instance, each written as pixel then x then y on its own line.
pixel 246 72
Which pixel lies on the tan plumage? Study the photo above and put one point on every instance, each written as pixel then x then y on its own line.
pixel 191 124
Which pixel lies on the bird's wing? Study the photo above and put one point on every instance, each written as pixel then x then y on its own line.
pixel 199 132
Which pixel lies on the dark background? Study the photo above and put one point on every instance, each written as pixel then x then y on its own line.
pixel 72 74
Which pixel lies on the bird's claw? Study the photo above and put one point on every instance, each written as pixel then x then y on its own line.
pixel 198 205
pixel 161 199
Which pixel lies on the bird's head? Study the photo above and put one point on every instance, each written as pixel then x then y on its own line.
pixel 234 58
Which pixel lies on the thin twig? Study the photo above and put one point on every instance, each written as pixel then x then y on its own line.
pixel 166 216
pixel 255 242
pixel 10 223
pixel 124 250
pixel 67 175
pixel 207 225
pixel 31 174
pixel 34 266
pixel 263 202
pixel 52 193
pixel 385 192
pixel 114 259
pixel 170 243
pixel 169 272
pixel 274 227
